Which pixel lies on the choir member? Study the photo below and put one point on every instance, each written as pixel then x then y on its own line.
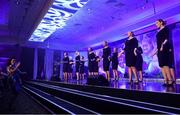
pixel 96 64
pixel 130 46
pixel 65 66
pixel 77 60
pixel 162 38
pixel 139 62
pixel 106 59
pixel 71 62
pixel 171 65
pixel 91 61
pixel 114 60
pixel 82 61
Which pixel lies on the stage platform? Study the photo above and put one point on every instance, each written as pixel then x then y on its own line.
pixel 151 85
pixel 146 97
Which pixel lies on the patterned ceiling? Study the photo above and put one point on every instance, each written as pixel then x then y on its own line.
pixel 78 24
pixel 56 18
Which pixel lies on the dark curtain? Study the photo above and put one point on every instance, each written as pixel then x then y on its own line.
pixel 41 69
pixel 27 62
pixel 56 65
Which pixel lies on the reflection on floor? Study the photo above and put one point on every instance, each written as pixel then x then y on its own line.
pixel 153 85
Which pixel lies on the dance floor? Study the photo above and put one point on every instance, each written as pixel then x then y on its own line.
pixel 152 85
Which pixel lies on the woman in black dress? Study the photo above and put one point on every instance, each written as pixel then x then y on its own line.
pixel 82 61
pixel 130 46
pixel 139 62
pixel 115 63
pixel 96 65
pixel 171 65
pixel 71 62
pixel 106 59
pixel 162 51
pixel 77 59
pixel 91 61
pixel 65 66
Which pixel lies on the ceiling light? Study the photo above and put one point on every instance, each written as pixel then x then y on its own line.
pixel 56 18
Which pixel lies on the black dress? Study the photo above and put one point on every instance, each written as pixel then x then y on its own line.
pixel 106 56
pixel 130 45
pixel 171 59
pixel 91 62
pixel 77 63
pixel 163 56
pixel 82 66
pixel 139 61
pixel 114 61
pixel 65 64
pixel 96 64
pixel 70 66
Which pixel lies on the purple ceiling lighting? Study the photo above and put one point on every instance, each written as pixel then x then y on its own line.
pixel 4 11
pixel 78 24
pixel 110 20
pixel 56 18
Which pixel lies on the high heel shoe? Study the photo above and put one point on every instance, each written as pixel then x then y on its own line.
pixel 141 80
pixel 170 83
pixel 165 83
pixel 136 82
pixel 174 82
pixel 130 81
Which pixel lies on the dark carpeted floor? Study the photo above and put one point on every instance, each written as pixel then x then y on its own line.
pixel 20 103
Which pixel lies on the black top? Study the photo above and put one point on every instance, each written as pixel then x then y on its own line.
pixel 66 60
pixel 161 36
pixel 96 60
pixel 65 64
pixel 77 60
pixel 71 63
pixel 82 63
pixel 91 57
pixel 130 45
pixel 115 57
pixel 139 51
pixel 106 52
pixel 139 61
pixel 163 56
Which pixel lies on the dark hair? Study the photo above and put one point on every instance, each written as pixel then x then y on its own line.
pixel 9 61
pixel 90 49
pixel 132 33
pixel 162 21
pixel 115 49
pixel 106 43
pixel 66 53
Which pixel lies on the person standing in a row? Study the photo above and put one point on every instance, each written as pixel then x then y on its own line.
pixel 106 59
pixel 81 71
pixel 139 62
pixel 171 65
pixel 130 46
pixel 115 63
pixel 162 51
pixel 71 62
pixel 77 65
pixel 65 66
pixel 96 65
pixel 91 62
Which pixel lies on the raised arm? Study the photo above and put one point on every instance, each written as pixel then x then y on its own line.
pixel 155 52
pixel 135 51
pixel 119 54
